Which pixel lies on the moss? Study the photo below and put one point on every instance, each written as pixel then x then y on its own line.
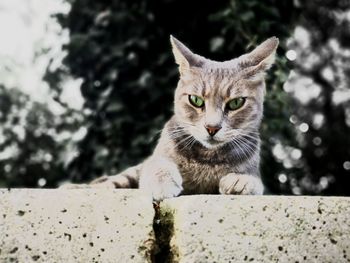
pixel 163 226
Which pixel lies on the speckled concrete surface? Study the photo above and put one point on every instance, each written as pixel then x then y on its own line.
pixel 75 226
pixel 259 229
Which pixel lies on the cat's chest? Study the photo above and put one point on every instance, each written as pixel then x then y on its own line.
pixel 194 169
pixel 201 178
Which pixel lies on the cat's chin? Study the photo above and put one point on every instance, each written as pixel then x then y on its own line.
pixel 211 144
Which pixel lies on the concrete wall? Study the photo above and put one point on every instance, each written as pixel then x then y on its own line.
pixel 124 226
pixel 75 226
pixel 259 229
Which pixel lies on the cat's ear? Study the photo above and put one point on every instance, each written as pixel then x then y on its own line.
pixel 184 57
pixel 261 58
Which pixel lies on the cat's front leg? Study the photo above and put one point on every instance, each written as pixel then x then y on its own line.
pixel 161 178
pixel 126 179
pixel 241 184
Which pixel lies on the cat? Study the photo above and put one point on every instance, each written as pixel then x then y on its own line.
pixel 211 144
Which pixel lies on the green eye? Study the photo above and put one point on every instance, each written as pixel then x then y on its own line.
pixel 236 103
pixel 196 101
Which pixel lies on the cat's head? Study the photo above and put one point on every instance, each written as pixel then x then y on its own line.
pixel 216 102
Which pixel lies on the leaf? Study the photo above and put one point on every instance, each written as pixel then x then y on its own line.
pixel 246 16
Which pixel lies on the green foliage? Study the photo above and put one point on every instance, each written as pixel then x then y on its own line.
pixel 121 50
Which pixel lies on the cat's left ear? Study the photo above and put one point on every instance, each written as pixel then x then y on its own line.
pixel 184 57
pixel 261 58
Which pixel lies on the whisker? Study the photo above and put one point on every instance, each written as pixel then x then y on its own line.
pixel 185 142
pixel 177 132
pixel 235 145
pixel 252 136
pixel 245 131
pixel 176 129
pixel 192 143
pixel 242 148
pixel 250 148
pixel 188 143
pixel 182 141
pixel 245 136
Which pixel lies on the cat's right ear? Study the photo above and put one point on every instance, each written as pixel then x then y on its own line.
pixel 184 57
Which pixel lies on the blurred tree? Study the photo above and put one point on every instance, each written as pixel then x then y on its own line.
pixel 33 141
pixel 320 84
pixel 121 50
pixel 38 130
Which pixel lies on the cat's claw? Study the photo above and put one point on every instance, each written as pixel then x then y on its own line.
pixel 240 184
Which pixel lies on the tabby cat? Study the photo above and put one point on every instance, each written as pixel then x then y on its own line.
pixel 211 144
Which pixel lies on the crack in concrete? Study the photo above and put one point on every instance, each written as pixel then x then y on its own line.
pixel 163 226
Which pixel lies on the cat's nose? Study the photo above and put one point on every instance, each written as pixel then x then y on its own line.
pixel 212 130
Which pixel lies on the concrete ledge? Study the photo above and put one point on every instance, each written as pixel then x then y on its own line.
pixel 121 226
pixel 75 226
pixel 258 228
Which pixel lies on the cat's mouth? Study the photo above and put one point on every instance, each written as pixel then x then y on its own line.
pixel 211 143
pixel 211 140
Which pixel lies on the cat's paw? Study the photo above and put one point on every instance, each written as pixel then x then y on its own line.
pixel 122 180
pixel 113 181
pixel 161 179
pixel 241 184
pixel 160 190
